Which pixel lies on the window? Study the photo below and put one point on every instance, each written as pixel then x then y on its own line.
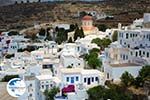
pixel 136 54
pixel 123 57
pixel 47 86
pixel 67 79
pixel 147 54
pixel 143 52
pixel 96 78
pixel 124 43
pixel 131 53
pixel 92 79
pixel 131 35
pixel 126 57
pixel 128 45
pixel 140 53
pixel 30 95
pixel 107 75
pixel 77 78
pixel 121 42
pixel 51 85
pixel 42 86
pixel 72 79
pixel 127 35
pixel 30 85
pixel 84 80
pixel 135 35
pixel 78 48
pixel 147 36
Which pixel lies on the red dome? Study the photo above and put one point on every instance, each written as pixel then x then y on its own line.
pixel 87 17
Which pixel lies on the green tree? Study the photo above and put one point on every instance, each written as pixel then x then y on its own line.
pixel 114 92
pixel 97 41
pixel 115 36
pixel 82 14
pixel 102 43
pixel 48 35
pixel 127 79
pixel 138 82
pixel 93 60
pixel 96 93
pixel 95 50
pixel 69 66
pixel 9 77
pixel 61 36
pixel 56 29
pixel 102 27
pixel 8 56
pixel 49 94
pixel 13 33
pixel 78 33
pixel 82 33
pixel 145 72
pixel 72 27
pixel 105 42
pixel 70 40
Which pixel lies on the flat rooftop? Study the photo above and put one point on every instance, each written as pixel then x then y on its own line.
pixel 29 78
pixel 80 71
pixel 125 65
pixel 44 77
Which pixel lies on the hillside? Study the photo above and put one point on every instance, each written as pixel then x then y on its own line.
pixel 20 16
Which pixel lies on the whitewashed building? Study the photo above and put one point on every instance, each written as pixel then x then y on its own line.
pixel 76 76
pixel 32 89
pixel 129 53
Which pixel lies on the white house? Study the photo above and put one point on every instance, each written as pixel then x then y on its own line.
pixel 69 56
pixel 48 82
pixel 114 71
pixel 76 76
pixel 129 53
pixel 32 89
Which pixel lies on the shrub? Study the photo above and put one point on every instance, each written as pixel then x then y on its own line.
pixel 9 77
pixel 127 79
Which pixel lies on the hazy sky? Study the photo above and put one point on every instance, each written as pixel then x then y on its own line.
pixel 6 2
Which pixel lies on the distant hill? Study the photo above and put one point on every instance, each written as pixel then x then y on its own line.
pixel 8 2
pixel 20 16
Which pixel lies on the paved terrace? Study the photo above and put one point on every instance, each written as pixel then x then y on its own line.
pixel 3 92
